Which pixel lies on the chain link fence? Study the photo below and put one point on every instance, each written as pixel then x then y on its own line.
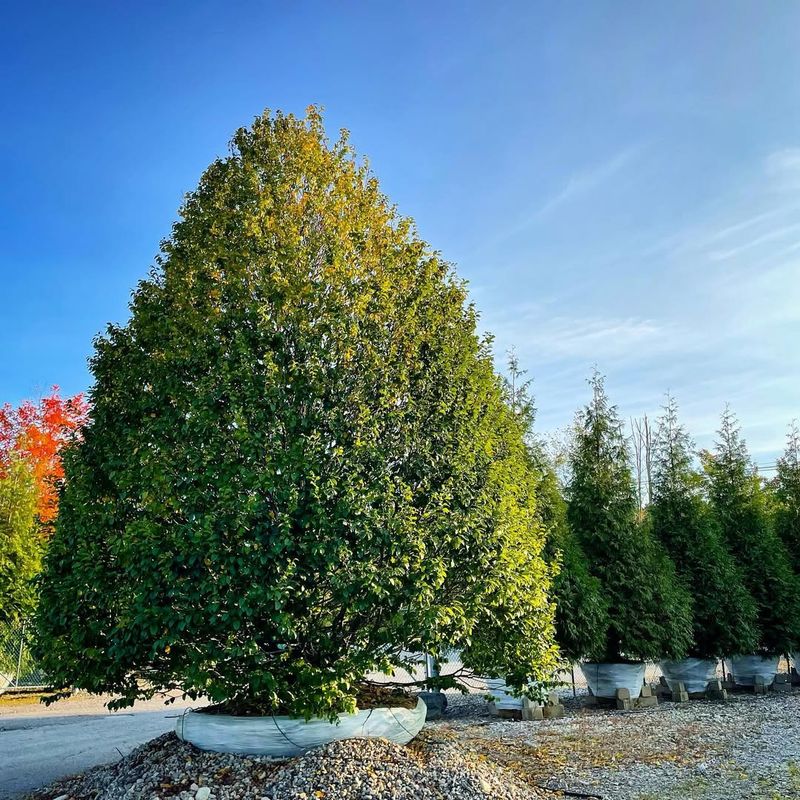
pixel 18 670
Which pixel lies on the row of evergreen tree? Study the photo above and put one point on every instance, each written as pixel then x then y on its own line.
pixel 710 568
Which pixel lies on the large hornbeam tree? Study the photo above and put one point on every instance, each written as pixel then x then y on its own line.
pixel 742 511
pixel 300 463
pixel 723 610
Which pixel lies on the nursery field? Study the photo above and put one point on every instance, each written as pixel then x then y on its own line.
pixel 748 747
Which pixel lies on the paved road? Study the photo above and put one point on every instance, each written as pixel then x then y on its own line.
pixel 40 744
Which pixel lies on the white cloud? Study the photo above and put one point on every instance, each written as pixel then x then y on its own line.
pixel 774 235
pixel 545 337
pixel 784 163
pixel 586 181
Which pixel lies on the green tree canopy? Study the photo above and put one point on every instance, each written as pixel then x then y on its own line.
pixel 649 610
pixel 723 610
pixel 300 462
pixel 742 512
pixel 787 496
pixel 20 542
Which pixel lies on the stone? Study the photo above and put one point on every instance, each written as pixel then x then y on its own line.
pixel 553 698
pixel 623 694
pixel 647 691
pixel 202 793
pixel 435 702
pixel 624 704
pixel 760 684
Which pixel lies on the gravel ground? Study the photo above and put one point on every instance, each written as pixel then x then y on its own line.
pixel 746 748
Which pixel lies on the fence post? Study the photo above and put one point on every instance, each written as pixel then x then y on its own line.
pixel 19 654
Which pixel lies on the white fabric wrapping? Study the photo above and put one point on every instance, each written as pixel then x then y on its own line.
pixel 796 661
pixel 605 679
pixel 745 669
pixel 693 673
pixel 500 695
pixel 284 737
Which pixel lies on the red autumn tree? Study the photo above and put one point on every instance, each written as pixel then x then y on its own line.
pixel 37 432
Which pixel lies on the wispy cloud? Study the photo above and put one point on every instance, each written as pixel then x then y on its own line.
pixel 588 180
pixel 784 163
pixel 773 235
pixel 548 337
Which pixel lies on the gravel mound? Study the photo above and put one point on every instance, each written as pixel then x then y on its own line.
pixel 357 769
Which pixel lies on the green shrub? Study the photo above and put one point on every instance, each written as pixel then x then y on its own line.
pixel 20 542
pixel 649 610
pixel 742 511
pixel 723 611
pixel 299 462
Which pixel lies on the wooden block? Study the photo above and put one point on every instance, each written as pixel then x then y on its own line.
pixel 760 684
pixel 555 711
pixel 531 711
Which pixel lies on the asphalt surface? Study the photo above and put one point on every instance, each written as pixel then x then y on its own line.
pixel 39 744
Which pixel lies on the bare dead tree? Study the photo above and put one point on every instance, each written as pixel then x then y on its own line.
pixel 641 438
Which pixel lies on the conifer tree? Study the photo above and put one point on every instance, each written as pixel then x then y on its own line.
pixel 741 508
pixel 581 608
pixel 787 496
pixel 649 611
pixel 723 611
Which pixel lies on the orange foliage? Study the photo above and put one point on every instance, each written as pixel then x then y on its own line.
pixel 37 432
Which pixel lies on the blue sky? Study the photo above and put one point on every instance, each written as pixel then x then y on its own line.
pixel 617 181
